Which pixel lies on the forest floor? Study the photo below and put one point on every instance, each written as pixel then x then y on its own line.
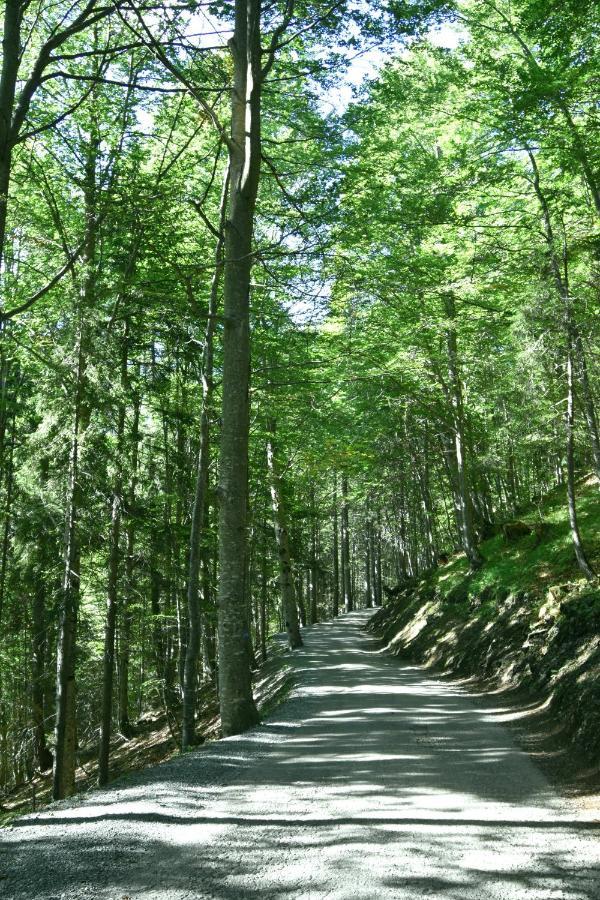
pixel 374 779
pixel 155 738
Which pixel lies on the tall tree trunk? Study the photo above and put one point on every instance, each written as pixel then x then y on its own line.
pixel 190 676
pixel 562 289
pixel 336 553
pixel 346 573
pixel 286 580
pixel 379 578
pixel 238 710
pixel 467 532
pixel 113 576
pixel 11 56
pixel 372 564
pixel 368 594
pixel 66 715
pixel 313 614
pixel 66 722
pixel 126 599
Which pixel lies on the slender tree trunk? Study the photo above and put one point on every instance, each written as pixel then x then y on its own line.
pixel 264 600
pixel 66 722
pixel 128 591
pixel 42 755
pixel 113 577
pixel 286 580
pixel 8 466
pixel 66 715
pixel 379 575
pixel 238 710
pixel 158 649
pixel 336 553
pixel 346 573
pixel 562 289
pixel 207 611
pixel 372 564
pixel 190 676
pixel 467 532
pixel 368 594
pixel 301 603
pixel 587 398
pixel 582 561
pixel 313 615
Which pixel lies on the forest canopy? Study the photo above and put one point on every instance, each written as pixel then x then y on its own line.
pixel 275 338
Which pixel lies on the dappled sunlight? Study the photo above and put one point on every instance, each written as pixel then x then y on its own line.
pixel 371 781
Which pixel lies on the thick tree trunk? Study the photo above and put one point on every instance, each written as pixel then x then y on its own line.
pixel 11 55
pixel 286 580
pixel 238 710
pixel 190 675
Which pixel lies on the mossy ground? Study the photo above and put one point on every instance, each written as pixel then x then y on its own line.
pixel 527 622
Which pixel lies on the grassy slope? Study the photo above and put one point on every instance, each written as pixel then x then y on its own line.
pixel 526 620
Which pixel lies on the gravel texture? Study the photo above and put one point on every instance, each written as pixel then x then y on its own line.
pixel 374 780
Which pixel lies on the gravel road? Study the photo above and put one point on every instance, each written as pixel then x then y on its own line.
pixel 374 780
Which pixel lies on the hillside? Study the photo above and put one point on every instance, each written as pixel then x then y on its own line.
pixel 525 623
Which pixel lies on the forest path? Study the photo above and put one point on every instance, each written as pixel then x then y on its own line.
pixel 374 780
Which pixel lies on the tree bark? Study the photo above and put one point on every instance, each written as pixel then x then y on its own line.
pixel 190 675
pixel 11 54
pixel 238 710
